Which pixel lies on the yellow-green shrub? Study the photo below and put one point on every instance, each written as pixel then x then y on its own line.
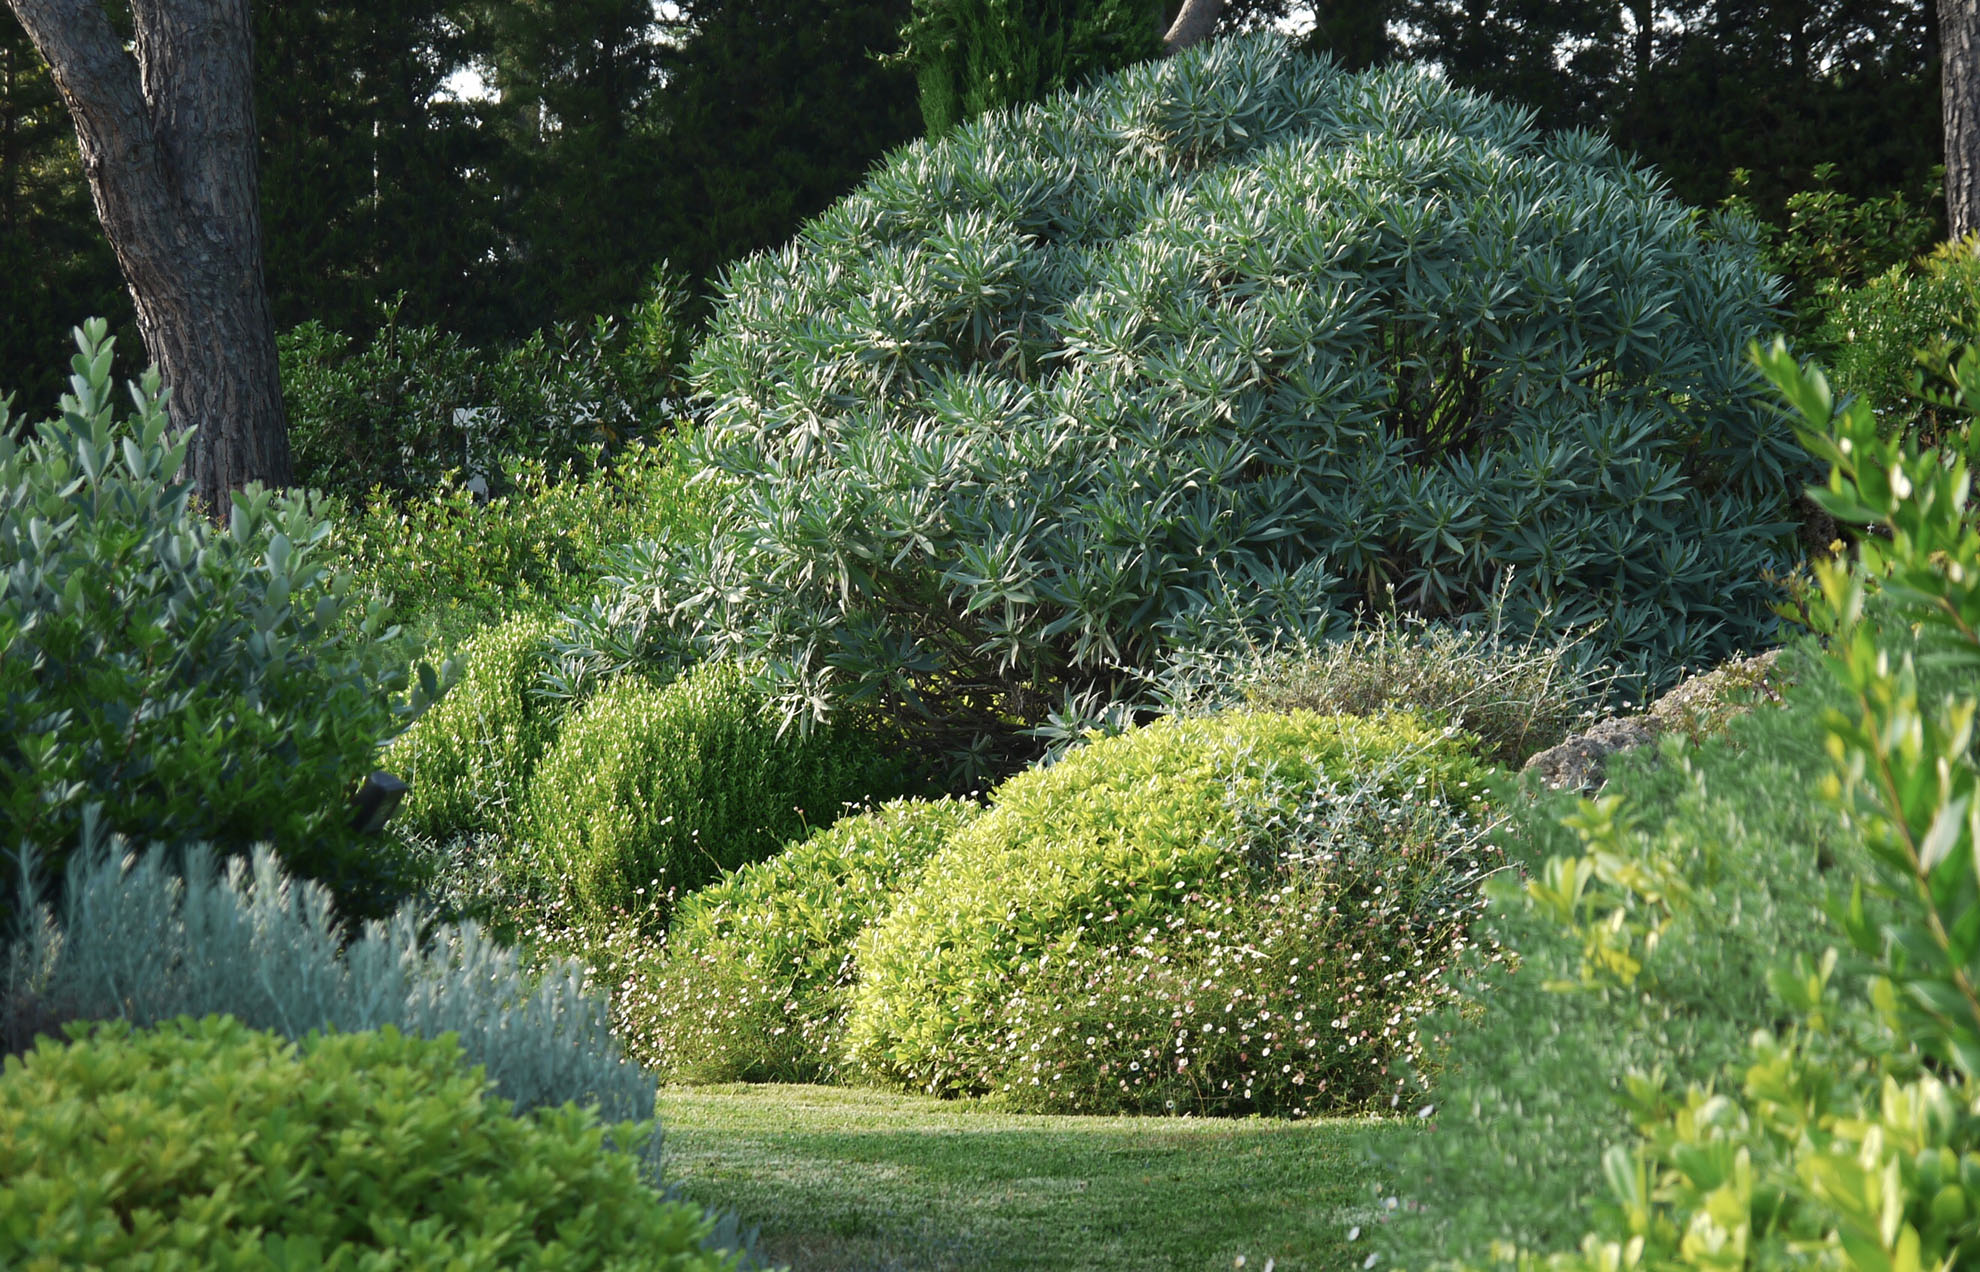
pixel 759 967
pixel 654 791
pixel 1286 882
pixel 204 1144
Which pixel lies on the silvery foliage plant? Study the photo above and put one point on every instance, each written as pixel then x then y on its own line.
pixel 1226 347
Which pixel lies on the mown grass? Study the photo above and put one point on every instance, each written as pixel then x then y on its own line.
pixel 865 1181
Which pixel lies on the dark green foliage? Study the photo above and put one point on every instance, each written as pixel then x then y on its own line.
pixel 1226 347
pixel 759 968
pixel 651 792
pixel 388 1148
pixel 1231 914
pixel 1528 1067
pixel 975 56
pixel 181 682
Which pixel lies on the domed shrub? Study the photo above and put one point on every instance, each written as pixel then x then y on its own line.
pixel 1878 330
pixel 1229 342
pixel 1222 914
pixel 176 681
pixel 759 967
pixel 206 1144
pixel 651 792
pixel 469 759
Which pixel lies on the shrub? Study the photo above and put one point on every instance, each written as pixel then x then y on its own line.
pixel 760 967
pixel 203 1143
pixel 470 758
pixel 1225 914
pixel 1515 698
pixel 651 792
pixel 147 938
pixel 187 683
pixel 1228 343
pixel 1876 332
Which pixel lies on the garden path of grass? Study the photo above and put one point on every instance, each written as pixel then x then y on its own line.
pixel 864 1181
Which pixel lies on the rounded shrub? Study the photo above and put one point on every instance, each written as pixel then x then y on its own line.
pixel 759 968
pixel 205 1144
pixel 173 681
pixel 1226 914
pixel 652 791
pixel 1228 342
pixel 469 759
pixel 1877 332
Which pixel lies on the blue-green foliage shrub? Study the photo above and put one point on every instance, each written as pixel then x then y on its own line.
pixel 1227 345
pixel 759 968
pixel 1877 331
pixel 202 1143
pixel 187 682
pixel 469 759
pixel 1529 1060
pixel 650 792
pixel 1225 914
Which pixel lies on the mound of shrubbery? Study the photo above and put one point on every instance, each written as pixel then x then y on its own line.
pixel 1224 346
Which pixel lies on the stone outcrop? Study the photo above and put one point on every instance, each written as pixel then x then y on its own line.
pixel 1698 707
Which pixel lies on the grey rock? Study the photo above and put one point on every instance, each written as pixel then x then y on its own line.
pixel 1581 762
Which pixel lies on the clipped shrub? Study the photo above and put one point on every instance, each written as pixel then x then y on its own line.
pixel 759 968
pixel 1876 332
pixel 187 683
pixel 469 758
pixel 1516 698
pixel 650 792
pixel 203 1143
pixel 146 938
pixel 1227 344
pixel 1226 914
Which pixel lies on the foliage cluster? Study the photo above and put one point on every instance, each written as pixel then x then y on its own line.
pixel 1225 914
pixel 414 404
pixel 760 967
pixel 1229 344
pixel 976 56
pixel 1880 332
pixel 180 681
pixel 651 791
pixel 203 1143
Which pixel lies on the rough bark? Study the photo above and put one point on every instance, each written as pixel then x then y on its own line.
pixel 1959 45
pixel 169 147
pixel 1193 25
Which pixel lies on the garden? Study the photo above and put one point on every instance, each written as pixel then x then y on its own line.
pixel 1012 744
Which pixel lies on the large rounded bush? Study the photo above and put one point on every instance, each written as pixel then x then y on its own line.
pixel 173 681
pixel 759 968
pixel 1218 914
pixel 651 792
pixel 1229 341
pixel 206 1144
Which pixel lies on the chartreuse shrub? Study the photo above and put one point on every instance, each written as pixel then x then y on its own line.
pixel 206 1144
pixel 1226 345
pixel 759 968
pixel 469 758
pixel 652 791
pixel 1878 331
pixel 1848 1134
pixel 186 682
pixel 1222 914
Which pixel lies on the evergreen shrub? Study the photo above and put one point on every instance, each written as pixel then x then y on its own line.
pixel 203 1143
pixel 759 968
pixel 183 682
pixel 650 792
pixel 1228 345
pixel 1877 332
pixel 1228 914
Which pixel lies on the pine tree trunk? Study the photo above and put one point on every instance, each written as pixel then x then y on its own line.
pixel 1193 25
pixel 169 146
pixel 1959 44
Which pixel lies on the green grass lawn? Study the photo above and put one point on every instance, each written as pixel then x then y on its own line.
pixel 864 1181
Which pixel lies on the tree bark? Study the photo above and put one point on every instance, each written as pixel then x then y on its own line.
pixel 1959 48
pixel 1193 25
pixel 169 146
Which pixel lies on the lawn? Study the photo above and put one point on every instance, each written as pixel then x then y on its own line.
pixel 865 1181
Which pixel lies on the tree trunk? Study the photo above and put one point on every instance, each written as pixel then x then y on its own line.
pixel 169 146
pixel 1959 48
pixel 1192 25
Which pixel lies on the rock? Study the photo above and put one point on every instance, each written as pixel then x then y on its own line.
pixel 1581 762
